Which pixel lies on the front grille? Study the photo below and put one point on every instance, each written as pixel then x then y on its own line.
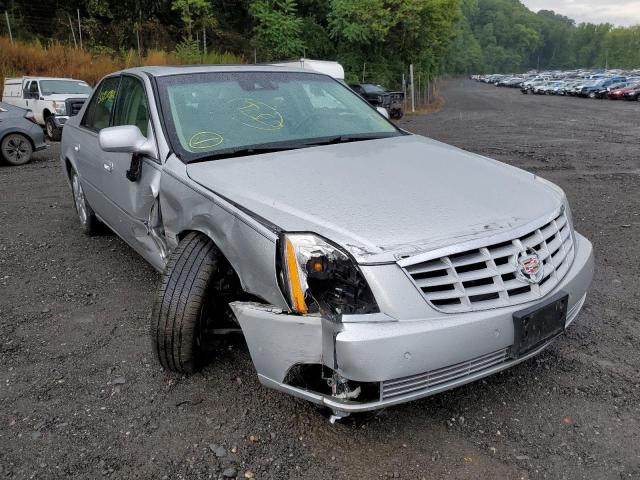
pixel 485 277
pixel 442 377
pixel 74 105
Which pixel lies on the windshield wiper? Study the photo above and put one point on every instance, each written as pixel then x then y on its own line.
pixel 283 146
pixel 245 151
pixel 348 139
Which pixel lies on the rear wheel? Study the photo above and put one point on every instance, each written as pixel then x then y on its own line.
pixel 178 319
pixel 54 133
pixel 16 149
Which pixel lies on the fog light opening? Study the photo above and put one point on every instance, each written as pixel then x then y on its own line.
pixel 320 379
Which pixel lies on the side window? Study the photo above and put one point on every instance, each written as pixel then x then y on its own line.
pixel 33 89
pixel 98 114
pixel 132 107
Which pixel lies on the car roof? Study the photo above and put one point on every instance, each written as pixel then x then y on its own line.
pixel 168 70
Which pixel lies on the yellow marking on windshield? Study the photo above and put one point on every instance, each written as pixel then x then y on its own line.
pixel 258 115
pixel 106 95
pixel 205 140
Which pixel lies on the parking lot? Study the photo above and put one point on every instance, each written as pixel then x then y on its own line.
pixel 82 396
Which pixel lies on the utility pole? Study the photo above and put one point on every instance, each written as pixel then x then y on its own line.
pixel 6 15
pixel 204 39
pixel 79 29
pixel 364 71
pixel 413 91
pixel 72 32
pixel 404 93
pixel 255 55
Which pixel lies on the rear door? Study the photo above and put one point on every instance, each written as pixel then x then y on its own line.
pixel 133 202
pixel 87 151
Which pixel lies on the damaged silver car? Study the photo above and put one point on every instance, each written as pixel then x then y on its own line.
pixel 365 266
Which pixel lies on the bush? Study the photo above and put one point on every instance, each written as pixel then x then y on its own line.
pixel 59 60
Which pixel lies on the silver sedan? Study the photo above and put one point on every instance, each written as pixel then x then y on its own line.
pixel 364 265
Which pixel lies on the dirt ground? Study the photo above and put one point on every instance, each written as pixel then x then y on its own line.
pixel 82 397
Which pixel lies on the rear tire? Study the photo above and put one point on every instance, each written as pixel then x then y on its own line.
pixel 16 149
pixel 54 133
pixel 177 318
pixel 89 223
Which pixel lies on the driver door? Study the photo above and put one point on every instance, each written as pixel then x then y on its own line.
pixel 134 202
pixel 32 101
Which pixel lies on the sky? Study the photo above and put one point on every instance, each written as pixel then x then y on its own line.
pixel 618 12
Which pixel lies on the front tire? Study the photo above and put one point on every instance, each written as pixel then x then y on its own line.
pixel 89 223
pixel 177 318
pixel 54 133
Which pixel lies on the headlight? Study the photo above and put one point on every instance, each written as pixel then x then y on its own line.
pixel 60 108
pixel 318 277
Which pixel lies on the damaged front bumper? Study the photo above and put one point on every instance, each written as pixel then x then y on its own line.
pixel 403 359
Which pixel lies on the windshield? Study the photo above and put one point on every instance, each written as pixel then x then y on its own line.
pixel 369 88
pixel 210 113
pixel 50 87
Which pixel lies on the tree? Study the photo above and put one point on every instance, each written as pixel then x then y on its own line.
pixel 278 28
pixel 190 10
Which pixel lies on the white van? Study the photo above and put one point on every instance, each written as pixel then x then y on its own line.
pixel 52 100
pixel 333 69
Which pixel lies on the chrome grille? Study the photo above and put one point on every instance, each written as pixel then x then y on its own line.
pixel 485 277
pixel 442 377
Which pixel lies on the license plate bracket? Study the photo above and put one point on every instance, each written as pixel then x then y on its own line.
pixel 537 325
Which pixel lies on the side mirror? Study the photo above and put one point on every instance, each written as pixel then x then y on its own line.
pixel 126 139
pixel 383 111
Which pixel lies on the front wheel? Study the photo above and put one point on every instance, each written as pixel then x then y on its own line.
pixel 16 149
pixel 179 310
pixel 54 133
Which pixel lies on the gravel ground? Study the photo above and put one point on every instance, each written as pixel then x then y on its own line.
pixel 82 397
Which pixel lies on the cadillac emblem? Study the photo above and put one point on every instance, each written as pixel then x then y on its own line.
pixel 529 267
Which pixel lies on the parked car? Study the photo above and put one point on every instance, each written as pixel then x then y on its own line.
pixel 528 86
pixel 620 93
pixel 52 100
pixel 378 96
pixel 20 135
pixel 592 90
pixel 603 92
pixel 365 266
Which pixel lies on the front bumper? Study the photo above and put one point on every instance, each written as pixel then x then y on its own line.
pixel 409 359
pixel 60 120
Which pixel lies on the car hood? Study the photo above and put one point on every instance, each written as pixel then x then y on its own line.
pixel 382 199
pixel 63 96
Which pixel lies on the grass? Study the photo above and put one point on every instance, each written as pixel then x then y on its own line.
pixel 60 60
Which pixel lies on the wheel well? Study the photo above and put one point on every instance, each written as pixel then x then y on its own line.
pixel 227 275
pixel 46 113
pixel 68 167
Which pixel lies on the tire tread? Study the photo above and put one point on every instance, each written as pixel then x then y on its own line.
pixel 181 293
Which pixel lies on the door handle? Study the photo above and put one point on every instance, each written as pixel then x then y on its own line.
pixel 108 166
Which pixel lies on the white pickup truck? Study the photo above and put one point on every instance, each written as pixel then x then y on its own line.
pixel 52 100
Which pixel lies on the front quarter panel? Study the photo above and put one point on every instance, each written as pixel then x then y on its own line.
pixel 249 246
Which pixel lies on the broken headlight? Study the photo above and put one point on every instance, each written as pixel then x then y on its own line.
pixel 319 277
